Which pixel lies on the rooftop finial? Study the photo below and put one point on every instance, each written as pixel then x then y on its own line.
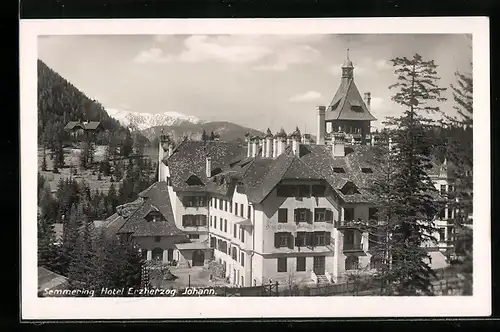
pixel 348 53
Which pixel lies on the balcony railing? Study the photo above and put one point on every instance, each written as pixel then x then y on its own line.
pixel 352 247
pixel 358 223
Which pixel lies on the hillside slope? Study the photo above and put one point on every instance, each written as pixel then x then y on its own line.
pixel 59 102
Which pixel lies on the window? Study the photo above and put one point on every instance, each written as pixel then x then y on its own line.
pixel 211 222
pixel 215 203
pixel 213 242
pixel 301 264
pixel 450 213
pixel 225 206
pixel 220 204
pixel 372 213
pixel 300 240
pixel 157 254
pixel 242 258
pixel 221 224
pixel 215 222
pixel 194 236
pixel 348 214
pixel 338 170
pixel 235 209
pixel 282 239
pixel 282 264
pixel 304 191
pixel 442 235
pixel 441 214
pixel 320 239
pixel 242 234
pixel 234 253
pixel 283 215
pixel 241 210
pixel 450 189
pixel 318 190
pixel 157 238
pixel 351 263
pixel 230 207
pixel 443 189
pixel 235 231
pixel 319 214
pixel 169 181
pixel 196 220
pixel 249 212
pixel 349 189
pixel 375 262
pixel 225 225
pixel 366 170
pixel 211 202
pixel 302 215
pixel 193 180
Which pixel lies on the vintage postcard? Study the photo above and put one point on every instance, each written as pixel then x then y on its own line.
pixel 255 168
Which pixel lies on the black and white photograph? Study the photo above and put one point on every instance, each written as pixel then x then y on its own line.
pixel 250 162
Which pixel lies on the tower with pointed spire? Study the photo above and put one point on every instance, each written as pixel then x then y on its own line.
pixel 348 112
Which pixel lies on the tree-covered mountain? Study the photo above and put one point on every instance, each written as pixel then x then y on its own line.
pixel 59 102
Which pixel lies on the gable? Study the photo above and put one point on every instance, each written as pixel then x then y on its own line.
pixel 349 188
pixel 193 180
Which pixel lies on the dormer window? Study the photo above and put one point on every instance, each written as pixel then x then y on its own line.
pixel 154 216
pixel 338 170
pixel 193 180
pixel 215 171
pixel 366 170
pixel 349 189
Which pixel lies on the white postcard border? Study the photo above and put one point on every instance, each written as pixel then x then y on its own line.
pixel 479 304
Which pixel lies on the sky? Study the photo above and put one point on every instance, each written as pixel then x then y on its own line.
pixel 258 81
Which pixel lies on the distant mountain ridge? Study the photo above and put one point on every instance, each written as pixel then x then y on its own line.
pixel 226 130
pixel 141 121
pixel 178 125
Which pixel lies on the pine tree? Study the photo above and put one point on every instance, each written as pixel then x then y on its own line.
pixel 80 270
pixel 112 197
pixel 414 205
pixel 212 136
pixel 204 136
pixel 127 145
pixel 47 252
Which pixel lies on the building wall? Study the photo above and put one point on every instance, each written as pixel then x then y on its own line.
pixel 270 217
pixel 148 243
pixel 181 210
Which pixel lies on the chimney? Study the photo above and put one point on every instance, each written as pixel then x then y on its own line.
pixel 263 148
pixel 281 146
pixel 368 98
pixel 255 144
pixel 320 139
pixel 338 145
pixel 163 151
pixel 269 139
pixel 249 146
pixel 295 146
pixel 275 147
pixel 208 167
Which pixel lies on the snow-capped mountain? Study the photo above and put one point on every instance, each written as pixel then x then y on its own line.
pixel 142 121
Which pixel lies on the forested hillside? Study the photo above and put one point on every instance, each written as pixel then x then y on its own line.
pixel 59 102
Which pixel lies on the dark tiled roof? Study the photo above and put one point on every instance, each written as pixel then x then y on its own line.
pixel 93 125
pixel 190 158
pixel 155 198
pixel 345 100
pixel 113 224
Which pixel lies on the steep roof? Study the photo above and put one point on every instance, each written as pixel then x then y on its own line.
pixel 92 125
pixel 347 104
pixel 189 158
pixel 131 218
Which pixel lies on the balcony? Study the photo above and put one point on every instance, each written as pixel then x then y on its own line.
pixel 350 224
pixel 352 247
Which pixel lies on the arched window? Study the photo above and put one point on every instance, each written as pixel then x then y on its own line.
pixel 351 263
pixel 157 254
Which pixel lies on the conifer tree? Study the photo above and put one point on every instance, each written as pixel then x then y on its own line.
pixel 80 270
pixel 44 160
pixel 204 136
pixel 414 203
pixel 47 252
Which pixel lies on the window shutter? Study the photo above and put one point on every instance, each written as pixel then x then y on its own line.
pixel 328 215
pixel 309 216
pixel 327 238
pixel 291 241
pixel 309 240
pixel 295 215
pixel 276 240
